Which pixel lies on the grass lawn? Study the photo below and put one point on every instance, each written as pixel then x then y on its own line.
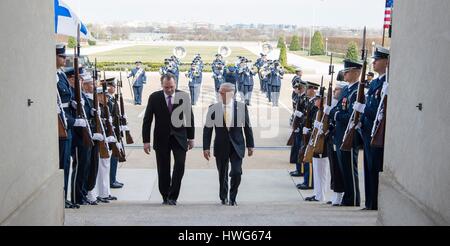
pixel 157 54
pixel 336 60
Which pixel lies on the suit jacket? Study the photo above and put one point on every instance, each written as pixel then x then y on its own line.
pixel 235 135
pixel 182 129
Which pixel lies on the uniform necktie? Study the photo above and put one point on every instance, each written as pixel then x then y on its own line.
pixel 169 104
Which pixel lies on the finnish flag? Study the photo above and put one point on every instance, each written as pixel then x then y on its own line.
pixel 66 21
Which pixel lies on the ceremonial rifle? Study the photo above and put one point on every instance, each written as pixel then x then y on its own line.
pixel 347 142
pixel 109 127
pixel 320 139
pixel 62 121
pixel 102 145
pixel 301 153
pixel 80 114
pixel 379 125
pixel 309 152
pixel 123 117
pixel 117 128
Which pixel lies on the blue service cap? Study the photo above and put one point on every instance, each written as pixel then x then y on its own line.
pixel 349 64
pixel 60 50
pixel 70 71
pixel 381 53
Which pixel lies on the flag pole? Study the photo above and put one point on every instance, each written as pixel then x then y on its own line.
pixel 384 34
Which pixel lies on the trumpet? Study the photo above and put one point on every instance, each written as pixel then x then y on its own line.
pixel 179 52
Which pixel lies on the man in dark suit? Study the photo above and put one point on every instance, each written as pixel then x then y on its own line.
pixel 229 118
pixel 174 131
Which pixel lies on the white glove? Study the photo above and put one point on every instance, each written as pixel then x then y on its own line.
pixel 124 128
pixel 305 130
pixel 74 103
pixel 385 89
pixel 93 110
pixel 80 123
pixel 97 137
pixel 297 130
pixel 318 124
pixel 125 116
pixel 58 109
pixel 119 146
pixel 298 114
pixel 359 107
pixel 110 120
pixel 327 110
pixel 357 126
pixel 111 139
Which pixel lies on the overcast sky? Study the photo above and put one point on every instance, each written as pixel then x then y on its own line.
pixel 348 13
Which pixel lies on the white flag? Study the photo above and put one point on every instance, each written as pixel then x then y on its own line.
pixel 66 21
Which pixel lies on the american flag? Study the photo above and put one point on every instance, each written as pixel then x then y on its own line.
pixel 388 13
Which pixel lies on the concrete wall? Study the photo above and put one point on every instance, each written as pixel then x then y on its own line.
pixel 415 187
pixel 31 186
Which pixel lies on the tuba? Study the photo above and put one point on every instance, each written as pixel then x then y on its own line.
pixel 266 48
pixel 224 51
pixel 179 52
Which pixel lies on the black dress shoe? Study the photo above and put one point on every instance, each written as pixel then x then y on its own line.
pixel 172 202
pixel 224 202
pixel 111 198
pixel 120 183
pixel 311 199
pixel 69 205
pixel 82 203
pixel 304 187
pixel 93 203
pixel 115 186
pixel 233 203
pixel 102 200
pixel 329 203
pixel 295 174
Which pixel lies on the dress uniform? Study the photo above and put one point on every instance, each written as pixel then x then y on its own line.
pixel 336 181
pixel 218 69
pixel 195 82
pixel 259 64
pixel 80 151
pixel 310 111
pixel 275 83
pixel 140 78
pixel 297 126
pixel 373 156
pixel 231 76
pixel 296 79
pixel 348 160
pixel 321 165
pixel 65 145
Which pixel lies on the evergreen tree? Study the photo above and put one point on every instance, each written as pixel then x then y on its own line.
pixel 295 43
pixel 283 56
pixel 352 51
pixel 317 47
pixel 281 42
pixel 71 43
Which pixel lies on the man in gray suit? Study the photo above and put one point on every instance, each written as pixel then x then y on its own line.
pixel 231 121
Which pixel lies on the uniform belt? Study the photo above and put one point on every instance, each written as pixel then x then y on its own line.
pixel 65 105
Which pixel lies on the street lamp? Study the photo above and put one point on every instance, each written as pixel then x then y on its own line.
pixel 326 46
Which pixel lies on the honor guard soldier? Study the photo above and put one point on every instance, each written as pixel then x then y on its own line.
pixel 336 182
pixel 310 110
pixel 111 85
pixel 341 115
pixel 275 82
pixel 373 156
pixel 297 126
pixel 80 151
pixel 65 94
pixel 139 80
pixel 297 79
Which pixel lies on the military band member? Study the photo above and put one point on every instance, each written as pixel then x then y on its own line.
pixel 231 76
pixel 139 80
pixel 297 126
pixel 310 110
pixel 373 156
pixel 195 81
pixel 218 69
pixel 176 67
pixel 336 181
pixel 275 83
pixel 259 64
pixel 341 114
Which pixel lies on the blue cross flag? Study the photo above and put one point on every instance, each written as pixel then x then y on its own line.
pixel 66 21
